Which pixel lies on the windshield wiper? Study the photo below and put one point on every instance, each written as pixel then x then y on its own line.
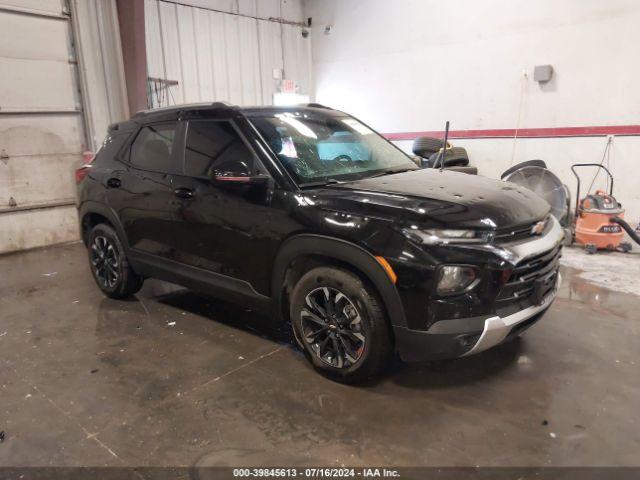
pixel 391 171
pixel 320 183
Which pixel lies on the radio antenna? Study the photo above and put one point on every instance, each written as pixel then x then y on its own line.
pixel 444 147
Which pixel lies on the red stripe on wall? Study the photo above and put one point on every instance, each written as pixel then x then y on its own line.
pixel 620 130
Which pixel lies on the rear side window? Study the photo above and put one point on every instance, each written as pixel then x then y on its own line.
pixel 153 148
pixel 111 146
pixel 216 147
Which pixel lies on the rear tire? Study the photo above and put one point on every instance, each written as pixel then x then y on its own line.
pixel 109 264
pixel 341 325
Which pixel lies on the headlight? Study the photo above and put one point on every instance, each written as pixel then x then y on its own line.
pixel 453 279
pixel 436 236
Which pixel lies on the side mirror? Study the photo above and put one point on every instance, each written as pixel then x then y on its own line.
pixel 229 178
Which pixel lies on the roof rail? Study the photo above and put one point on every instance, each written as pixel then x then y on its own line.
pixel 316 105
pixel 185 106
pixel 223 105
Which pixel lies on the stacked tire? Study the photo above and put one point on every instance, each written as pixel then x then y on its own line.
pixel 429 149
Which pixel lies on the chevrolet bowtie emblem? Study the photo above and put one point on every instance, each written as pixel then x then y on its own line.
pixel 538 228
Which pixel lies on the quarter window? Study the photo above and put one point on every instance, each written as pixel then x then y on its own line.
pixel 111 145
pixel 153 148
pixel 214 147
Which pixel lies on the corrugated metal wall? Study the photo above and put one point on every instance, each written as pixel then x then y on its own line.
pixel 225 55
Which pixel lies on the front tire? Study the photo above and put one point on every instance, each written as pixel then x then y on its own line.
pixel 341 325
pixel 109 264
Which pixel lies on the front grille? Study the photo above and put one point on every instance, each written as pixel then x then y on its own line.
pixel 531 281
pixel 520 232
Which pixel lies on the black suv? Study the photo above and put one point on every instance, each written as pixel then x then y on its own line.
pixel 307 213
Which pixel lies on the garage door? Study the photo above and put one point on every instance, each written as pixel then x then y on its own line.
pixel 41 126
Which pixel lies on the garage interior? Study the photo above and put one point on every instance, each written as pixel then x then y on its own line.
pixel 172 377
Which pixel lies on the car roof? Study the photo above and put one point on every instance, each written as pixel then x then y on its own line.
pixel 223 107
pixel 212 110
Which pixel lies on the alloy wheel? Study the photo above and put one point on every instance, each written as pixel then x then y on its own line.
pixel 105 261
pixel 332 327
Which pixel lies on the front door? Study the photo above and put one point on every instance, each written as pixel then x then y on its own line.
pixel 224 228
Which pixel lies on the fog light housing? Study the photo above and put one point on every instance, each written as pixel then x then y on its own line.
pixel 455 279
pixel 467 341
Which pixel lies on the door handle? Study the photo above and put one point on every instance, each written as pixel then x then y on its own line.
pixel 114 182
pixel 185 193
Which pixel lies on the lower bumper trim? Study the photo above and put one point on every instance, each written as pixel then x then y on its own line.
pixel 496 328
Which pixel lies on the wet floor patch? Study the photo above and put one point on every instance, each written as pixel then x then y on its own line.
pixel 612 270
pixel 172 377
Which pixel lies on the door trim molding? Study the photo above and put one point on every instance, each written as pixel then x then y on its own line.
pixel 216 284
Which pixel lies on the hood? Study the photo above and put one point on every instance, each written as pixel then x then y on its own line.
pixel 437 197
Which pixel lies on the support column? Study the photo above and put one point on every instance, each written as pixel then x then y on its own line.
pixel 134 52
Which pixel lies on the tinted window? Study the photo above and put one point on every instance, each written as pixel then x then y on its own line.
pixel 111 146
pixel 153 148
pixel 216 147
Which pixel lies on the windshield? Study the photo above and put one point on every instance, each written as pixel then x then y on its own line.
pixel 316 147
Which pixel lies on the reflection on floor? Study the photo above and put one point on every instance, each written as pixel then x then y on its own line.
pixel 176 378
pixel 612 270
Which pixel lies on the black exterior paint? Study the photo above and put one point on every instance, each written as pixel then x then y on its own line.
pixel 238 241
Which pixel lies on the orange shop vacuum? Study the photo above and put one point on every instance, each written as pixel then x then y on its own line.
pixel 599 220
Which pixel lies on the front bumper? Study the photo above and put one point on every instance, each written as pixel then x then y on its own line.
pixel 507 318
pixel 467 336
pixel 496 329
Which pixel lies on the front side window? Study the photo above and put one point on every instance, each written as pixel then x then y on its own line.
pixel 153 148
pixel 214 148
pixel 316 146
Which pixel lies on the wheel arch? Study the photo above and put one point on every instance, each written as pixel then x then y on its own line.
pixel 92 213
pixel 315 250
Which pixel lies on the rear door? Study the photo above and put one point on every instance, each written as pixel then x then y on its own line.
pixel 142 191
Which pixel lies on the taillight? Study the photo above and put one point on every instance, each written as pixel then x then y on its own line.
pixel 83 171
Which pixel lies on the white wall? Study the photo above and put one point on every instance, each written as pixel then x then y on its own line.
pixel 409 65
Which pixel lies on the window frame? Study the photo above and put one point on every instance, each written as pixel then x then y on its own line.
pixel 257 165
pixel 177 148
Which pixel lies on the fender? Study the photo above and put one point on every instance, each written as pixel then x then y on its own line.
pixel 107 212
pixel 347 252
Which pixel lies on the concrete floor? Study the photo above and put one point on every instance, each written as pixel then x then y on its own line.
pixel 612 270
pixel 175 378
